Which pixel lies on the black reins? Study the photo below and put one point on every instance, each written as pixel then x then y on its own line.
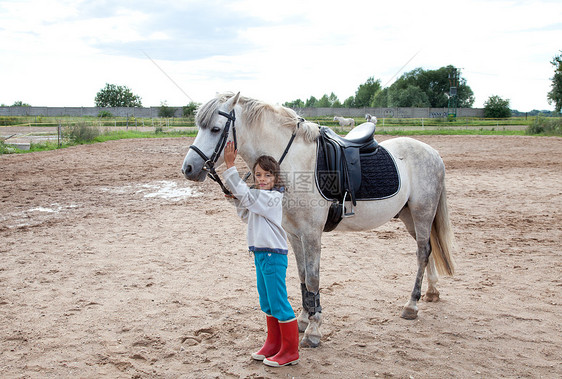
pixel 209 164
pixel 291 141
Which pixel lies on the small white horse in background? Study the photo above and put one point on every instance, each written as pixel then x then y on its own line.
pixel 345 121
pixel 420 202
pixel 370 118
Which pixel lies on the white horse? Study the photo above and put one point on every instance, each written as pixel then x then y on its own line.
pixel 370 118
pixel 261 128
pixel 345 121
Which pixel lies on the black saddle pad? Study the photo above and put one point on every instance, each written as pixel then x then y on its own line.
pixel 379 176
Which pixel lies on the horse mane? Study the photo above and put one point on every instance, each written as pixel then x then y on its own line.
pixel 255 111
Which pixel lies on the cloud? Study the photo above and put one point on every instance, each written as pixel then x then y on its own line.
pixel 170 30
pixel 61 52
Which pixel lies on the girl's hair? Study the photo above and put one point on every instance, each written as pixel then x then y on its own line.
pixel 269 164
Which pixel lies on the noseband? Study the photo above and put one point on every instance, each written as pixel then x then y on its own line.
pixel 209 164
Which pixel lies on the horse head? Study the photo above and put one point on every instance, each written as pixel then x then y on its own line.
pixel 215 121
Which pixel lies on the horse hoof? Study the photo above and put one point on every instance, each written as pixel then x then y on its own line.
pixel 310 342
pixel 431 297
pixel 303 321
pixel 409 313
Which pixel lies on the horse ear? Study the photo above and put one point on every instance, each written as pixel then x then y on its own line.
pixel 231 103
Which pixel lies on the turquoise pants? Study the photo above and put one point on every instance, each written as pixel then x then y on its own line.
pixel 271 270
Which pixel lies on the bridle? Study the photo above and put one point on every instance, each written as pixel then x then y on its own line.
pixel 209 164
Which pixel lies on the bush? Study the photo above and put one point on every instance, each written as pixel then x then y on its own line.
pixel 496 107
pixel 547 126
pixel 189 109
pixel 6 149
pixel 166 111
pixel 103 114
pixel 81 133
pixel 7 120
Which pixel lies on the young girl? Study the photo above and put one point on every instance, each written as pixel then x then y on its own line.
pixel 261 208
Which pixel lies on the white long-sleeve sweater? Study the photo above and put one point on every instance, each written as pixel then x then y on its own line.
pixel 262 210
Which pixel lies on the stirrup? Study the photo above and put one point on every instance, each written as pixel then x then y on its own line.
pixel 351 213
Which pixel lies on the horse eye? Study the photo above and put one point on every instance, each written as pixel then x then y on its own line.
pixel 215 129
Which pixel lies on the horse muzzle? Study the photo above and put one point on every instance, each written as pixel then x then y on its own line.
pixel 192 173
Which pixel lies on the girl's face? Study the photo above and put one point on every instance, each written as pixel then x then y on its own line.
pixel 265 180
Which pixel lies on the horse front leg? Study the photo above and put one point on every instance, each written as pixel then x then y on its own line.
pixel 410 310
pixel 313 312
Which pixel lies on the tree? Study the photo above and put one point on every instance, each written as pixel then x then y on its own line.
pixel 189 109
pixel 311 102
pixel 411 96
pixel 435 84
pixel 349 102
pixel 298 103
pixel 366 92
pixel 334 101
pixel 555 94
pixel 20 103
pixel 323 102
pixel 417 88
pixel 496 107
pixel 117 96
pixel 381 99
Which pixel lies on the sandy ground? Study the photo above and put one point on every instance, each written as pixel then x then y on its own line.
pixel 112 265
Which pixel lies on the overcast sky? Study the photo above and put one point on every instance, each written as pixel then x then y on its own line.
pixel 61 53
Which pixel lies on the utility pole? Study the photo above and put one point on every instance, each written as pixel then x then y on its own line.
pixel 453 90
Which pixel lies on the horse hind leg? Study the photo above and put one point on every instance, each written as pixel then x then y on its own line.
pixel 421 232
pixel 432 294
pixel 410 310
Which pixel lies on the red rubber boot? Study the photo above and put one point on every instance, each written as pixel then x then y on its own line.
pixel 289 353
pixel 272 341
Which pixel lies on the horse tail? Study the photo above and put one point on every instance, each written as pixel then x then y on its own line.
pixel 442 239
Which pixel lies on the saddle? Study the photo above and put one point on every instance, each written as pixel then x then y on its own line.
pixel 340 177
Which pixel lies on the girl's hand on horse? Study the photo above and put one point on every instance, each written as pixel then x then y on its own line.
pixel 230 154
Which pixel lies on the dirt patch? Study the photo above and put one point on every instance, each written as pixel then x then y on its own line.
pixel 114 266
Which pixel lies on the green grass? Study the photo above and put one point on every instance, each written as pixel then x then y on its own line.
pixel 545 127
pixel 540 126
pixel 7 149
pixel 190 121
pixel 44 121
pixel 104 137
pixel 43 146
pixel 452 132
pixel 133 134
pixel 458 122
